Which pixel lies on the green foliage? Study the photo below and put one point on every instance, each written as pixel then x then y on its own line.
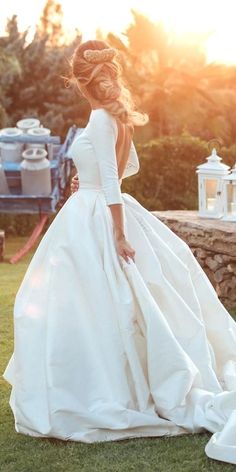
pixel 167 179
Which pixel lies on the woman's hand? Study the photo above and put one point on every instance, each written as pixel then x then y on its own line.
pixel 74 185
pixel 124 248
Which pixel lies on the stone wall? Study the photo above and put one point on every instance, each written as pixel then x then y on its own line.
pixel 213 243
pixel 2 244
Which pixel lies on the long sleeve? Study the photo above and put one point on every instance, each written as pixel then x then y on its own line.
pixel 103 135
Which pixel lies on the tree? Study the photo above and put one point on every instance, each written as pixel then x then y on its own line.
pixel 173 83
pixel 32 84
pixel 168 76
pixel 51 24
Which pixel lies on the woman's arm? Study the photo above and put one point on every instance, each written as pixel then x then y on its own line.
pixel 123 247
pixel 103 134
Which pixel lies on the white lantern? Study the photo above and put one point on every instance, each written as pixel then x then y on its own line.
pixel 210 183
pixel 229 196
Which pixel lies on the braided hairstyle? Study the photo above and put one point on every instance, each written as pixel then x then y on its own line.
pixel 95 65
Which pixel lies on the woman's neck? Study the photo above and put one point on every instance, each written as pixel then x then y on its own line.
pixel 94 104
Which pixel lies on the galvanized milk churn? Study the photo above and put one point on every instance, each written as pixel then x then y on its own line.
pixel 27 123
pixel 11 152
pixel 35 172
pixel 36 132
pixel 4 189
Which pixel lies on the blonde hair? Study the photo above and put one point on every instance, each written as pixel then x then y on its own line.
pixel 94 64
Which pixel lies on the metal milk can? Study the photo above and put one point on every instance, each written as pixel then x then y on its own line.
pixel 27 124
pixel 4 189
pixel 35 172
pixel 37 132
pixel 11 152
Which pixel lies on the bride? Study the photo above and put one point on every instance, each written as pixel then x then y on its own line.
pixel 118 332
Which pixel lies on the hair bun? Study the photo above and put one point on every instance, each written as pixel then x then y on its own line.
pixel 99 55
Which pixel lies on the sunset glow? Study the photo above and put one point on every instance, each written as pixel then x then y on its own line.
pixel 181 17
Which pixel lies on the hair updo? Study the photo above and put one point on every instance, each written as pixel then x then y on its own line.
pixel 95 65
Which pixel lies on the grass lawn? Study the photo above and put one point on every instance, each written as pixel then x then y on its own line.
pixel 20 453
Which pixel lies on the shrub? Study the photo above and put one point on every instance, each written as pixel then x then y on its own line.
pixel 167 179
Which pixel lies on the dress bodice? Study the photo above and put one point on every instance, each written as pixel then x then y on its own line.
pixel 94 156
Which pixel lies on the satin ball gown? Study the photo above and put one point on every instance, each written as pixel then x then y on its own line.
pixel 108 350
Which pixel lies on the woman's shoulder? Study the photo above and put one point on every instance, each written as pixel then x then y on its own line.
pixel 100 110
pixel 100 117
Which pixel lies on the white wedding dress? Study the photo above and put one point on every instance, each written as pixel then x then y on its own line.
pixel 108 350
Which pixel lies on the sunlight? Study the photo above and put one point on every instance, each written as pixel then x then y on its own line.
pixel 184 16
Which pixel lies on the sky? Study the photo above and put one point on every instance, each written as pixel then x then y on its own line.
pixel 180 16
